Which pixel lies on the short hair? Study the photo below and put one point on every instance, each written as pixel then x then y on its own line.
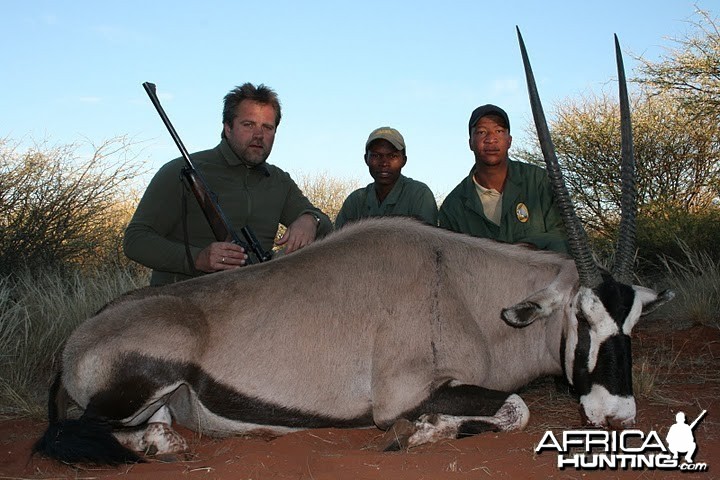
pixel 248 91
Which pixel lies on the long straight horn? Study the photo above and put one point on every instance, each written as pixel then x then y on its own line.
pixel 625 253
pixel 577 237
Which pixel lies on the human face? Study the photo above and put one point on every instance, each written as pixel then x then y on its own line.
pixel 384 162
pixel 490 143
pixel 252 132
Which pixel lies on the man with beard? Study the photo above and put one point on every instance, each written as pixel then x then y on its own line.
pixel 391 193
pixel 249 190
pixel 502 199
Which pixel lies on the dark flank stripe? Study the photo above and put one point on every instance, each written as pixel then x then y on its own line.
pixel 138 377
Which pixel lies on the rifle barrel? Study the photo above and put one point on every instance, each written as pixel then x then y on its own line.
pixel 222 231
pixel 699 417
pixel 152 93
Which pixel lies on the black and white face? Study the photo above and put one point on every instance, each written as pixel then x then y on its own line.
pixel 597 350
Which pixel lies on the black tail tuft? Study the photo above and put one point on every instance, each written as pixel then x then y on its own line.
pixel 84 441
pixel 87 440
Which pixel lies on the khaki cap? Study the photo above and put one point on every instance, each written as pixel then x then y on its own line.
pixel 389 134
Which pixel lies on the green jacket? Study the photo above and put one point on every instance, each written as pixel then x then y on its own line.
pixel 528 214
pixel 260 197
pixel 408 198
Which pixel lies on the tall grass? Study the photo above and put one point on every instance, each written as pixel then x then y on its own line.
pixel 696 282
pixel 37 313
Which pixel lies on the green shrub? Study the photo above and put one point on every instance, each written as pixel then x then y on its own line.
pixel 666 238
pixel 670 236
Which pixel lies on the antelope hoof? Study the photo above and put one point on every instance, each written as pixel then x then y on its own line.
pixel 513 415
pixel 161 439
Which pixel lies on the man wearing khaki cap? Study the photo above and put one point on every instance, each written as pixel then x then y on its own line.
pixel 391 193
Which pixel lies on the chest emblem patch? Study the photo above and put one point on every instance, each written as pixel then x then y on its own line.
pixel 521 211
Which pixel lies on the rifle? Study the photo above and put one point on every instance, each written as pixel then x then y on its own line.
pixel 205 197
pixel 693 424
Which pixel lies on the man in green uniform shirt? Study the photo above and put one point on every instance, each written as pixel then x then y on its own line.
pixel 391 193
pixel 502 199
pixel 250 191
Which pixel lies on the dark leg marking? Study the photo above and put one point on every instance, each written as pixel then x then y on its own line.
pixel 474 427
pixel 461 400
pixel 457 411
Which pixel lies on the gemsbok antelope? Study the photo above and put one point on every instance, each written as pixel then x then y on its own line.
pixel 384 321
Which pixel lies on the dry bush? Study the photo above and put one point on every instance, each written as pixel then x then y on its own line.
pixel 326 192
pixel 59 208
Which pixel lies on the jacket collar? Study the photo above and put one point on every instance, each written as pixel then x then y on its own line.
pixel 510 192
pixel 392 197
pixel 234 161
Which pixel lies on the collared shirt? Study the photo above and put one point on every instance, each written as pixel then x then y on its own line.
pixel 528 211
pixel 491 201
pixel 408 197
pixel 260 197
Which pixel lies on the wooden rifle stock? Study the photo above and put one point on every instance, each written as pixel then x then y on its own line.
pixel 205 197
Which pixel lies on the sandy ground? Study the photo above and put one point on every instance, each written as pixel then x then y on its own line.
pixel 684 368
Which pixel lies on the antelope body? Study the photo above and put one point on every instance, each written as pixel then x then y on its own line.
pixel 384 321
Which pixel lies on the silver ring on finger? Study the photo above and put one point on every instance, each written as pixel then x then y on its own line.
pixel 223 260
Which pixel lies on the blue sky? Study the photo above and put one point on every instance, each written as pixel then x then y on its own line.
pixel 73 70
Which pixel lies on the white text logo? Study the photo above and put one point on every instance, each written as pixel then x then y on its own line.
pixel 626 449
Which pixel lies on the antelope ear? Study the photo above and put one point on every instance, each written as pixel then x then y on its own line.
pixel 538 305
pixel 521 314
pixel 655 300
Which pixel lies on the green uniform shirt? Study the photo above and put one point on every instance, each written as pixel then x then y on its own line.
pixel 408 198
pixel 259 197
pixel 528 213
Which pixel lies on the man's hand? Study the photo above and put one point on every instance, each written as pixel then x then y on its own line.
pixel 220 256
pixel 299 234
